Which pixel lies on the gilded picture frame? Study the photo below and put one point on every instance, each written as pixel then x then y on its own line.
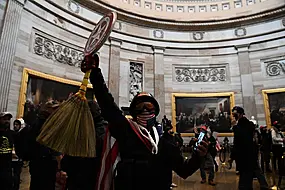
pixel 174 96
pixel 267 109
pixel 24 86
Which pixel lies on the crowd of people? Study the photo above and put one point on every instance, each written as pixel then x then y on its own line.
pixel 144 152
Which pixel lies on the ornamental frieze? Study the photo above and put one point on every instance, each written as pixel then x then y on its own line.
pixel 53 50
pixel 200 74
pixel 275 68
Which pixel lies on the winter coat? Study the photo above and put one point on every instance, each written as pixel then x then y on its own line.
pixel 139 169
pixel 244 151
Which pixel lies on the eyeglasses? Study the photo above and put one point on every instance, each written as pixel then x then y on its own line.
pixel 145 105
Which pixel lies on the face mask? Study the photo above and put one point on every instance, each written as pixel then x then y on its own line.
pixel 146 119
pixel 171 132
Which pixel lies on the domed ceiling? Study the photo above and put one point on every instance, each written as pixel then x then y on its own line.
pixel 194 13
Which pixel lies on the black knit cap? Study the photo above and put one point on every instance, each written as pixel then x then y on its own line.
pixel 238 109
pixel 143 97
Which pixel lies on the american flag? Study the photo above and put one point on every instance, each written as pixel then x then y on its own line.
pixel 110 158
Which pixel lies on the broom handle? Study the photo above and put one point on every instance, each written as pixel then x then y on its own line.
pixel 83 87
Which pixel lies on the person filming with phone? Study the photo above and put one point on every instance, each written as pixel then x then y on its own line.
pixel 208 160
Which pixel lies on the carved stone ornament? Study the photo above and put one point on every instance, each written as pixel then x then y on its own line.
pixel 158 34
pixel 194 74
pixel 135 79
pixel 73 6
pixel 58 52
pixel 198 35
pixel 239 32
pixel 275 68
pixel 118 26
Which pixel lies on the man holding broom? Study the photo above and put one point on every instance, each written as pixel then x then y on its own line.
pixel 144 161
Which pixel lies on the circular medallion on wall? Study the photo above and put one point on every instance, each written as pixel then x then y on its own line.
pixel 240 32
pixel 158 34
pixel 274 68
pixel 198 35
pixel 73 6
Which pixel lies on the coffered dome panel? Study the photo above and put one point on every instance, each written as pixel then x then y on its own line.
pixel 193 10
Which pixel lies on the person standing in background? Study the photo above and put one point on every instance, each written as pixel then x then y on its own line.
pixel 244 151
pixel 43 161
pixel 266 144
pixel 17 163
pixel 208 160
pixel 278 141
pixel 6 148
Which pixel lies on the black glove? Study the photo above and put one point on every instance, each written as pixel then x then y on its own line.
pixel 90 62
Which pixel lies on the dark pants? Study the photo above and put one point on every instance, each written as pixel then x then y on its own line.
pixel 6 181
pixel 277 156
pixel 246 179
pixel 43 174
pixel 17 169
pixel 208 163
pixel 265 160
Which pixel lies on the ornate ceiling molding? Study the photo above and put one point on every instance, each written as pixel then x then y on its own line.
pixel 176 25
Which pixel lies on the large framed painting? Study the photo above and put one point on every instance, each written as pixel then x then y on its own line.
pixel 274 106
pixel 37 88
pixel 191 111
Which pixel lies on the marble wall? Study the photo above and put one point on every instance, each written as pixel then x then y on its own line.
pixel 243 57
pixel 3 4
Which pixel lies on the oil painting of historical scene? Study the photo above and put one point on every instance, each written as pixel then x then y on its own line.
pixel 277 108
pixel 195 111
pixel 136 79
pixel 40 90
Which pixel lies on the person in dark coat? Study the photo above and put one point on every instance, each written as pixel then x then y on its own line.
pixel 82 172
pixel 6 147
pixel 145 161
pixel 266 143
pixel 43 163
pixel 17 164
pixel 244 151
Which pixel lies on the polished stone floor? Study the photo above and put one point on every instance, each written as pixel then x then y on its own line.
pixel 225 179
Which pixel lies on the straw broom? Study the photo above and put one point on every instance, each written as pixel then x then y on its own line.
pixel 70 129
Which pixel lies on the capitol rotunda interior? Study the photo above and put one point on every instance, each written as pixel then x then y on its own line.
pixel 196 57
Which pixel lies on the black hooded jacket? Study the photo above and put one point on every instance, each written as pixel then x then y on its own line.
pixel 244 151
pixel 139 169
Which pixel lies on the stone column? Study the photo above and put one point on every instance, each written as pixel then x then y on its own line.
pixel 159 89
pixel 8 44
pixel 248 95
pixel 114 68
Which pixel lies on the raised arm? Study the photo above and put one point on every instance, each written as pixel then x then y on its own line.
pixel 110 111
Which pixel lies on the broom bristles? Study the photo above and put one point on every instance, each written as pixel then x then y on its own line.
pixel 70 129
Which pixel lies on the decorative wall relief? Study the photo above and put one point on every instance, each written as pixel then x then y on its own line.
pixel 200 74
pixel 135 79
pixel 158 34
pixel 275 68
pixel 73 6
pixel 118 25
pixel 198 35
pixel 240 32
pixel 51 49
